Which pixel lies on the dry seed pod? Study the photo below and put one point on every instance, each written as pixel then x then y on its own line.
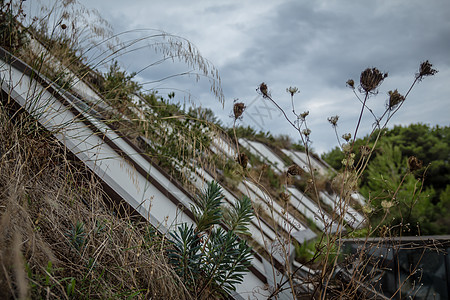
pixel 371 78
pixel 238 109
pixel 242 159
pixel 294 170
pixel 395 98
pixel 284 197
pixel 351 83
pixel 333 120
pixel 414 163
pixel 426 70
pixel 263 90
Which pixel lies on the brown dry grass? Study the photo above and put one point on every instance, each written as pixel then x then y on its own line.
pixel 43 195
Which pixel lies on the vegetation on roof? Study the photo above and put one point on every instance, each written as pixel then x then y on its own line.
pixel 63 238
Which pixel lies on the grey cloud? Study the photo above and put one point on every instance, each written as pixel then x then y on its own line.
pixel 315 45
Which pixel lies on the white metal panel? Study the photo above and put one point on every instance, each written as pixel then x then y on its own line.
pixel 307 211
pixel 224 146
pixel 301 159
pixel 359 198
pixel 320 217
pixel 264 153
pixel 97 155
pixel 283 218
pixel 339 208
pixel 358 218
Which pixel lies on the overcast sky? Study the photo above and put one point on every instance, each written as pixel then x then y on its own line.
pixel 313 45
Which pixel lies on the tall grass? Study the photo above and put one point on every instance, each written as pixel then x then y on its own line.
pixel 59 237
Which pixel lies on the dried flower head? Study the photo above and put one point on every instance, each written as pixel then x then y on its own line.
pixel 303 115
pixel 294 170
pixel 284 197
pixel 387 204
pixel 367 209
pixel 346 147
pixel 263 90
pixel 370 79
pixel 292 90
pixel 333 120
pixel 63 26
pixel 414 163
pixel 425 70
pixel 365 150
pixel 395 98
pixel 347 136
pixel 349 161
pixel 306 132
pixel 351 83
pixel 242 159
pixel 238 109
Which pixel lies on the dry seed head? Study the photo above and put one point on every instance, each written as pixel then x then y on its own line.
pixel 364 150
pixel 285 197
pixel 294 170
pixel 395 98
pixel 306 132
pixel 304 115
pixel 63 26
pixel 292 90
pixel 242 159
pixel 351 83
pixel 370 79
pixel 367 209
pixel 263 90
pixel 347 136
pixel 426 70
pixel 414 163
pixel 346 147
pixel 387 204
pixel 333 120
pixel 238 109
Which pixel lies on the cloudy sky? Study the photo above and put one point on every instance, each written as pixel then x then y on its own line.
pixel 313 45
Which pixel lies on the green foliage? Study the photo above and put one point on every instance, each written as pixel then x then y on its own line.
pixel 77 235
pixel 12 36
pixel 238 217
pixel 118 86
pixel 273 178
pixel 305 251
pixel 207 257
pixel 316 250
pixel 422 197
pixel 227 259
pixel 185 256
pixel 395 190
pixel 207 211
pixel 203 114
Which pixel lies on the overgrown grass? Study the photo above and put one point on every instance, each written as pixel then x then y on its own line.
pixel 59 239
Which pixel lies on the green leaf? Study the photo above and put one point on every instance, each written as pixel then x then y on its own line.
pixel 239 216
pixel 206 210
pixel 185 255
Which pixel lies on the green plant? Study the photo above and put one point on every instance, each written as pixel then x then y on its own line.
pixel 209 258
pixel 353 168
pixel 12 35
pixel 77 235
